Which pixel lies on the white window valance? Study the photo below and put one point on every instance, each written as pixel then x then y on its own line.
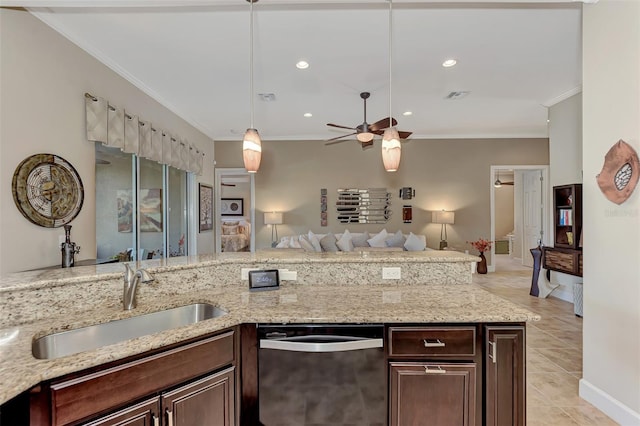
pixel 115 127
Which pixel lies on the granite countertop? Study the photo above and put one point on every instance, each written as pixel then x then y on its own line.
pixel 292 303
pixel 47 277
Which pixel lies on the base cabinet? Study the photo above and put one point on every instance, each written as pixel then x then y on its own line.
pixel 505 376
pixel 443 393
pixel 142 414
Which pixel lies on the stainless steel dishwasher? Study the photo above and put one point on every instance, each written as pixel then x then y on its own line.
pixel 322 374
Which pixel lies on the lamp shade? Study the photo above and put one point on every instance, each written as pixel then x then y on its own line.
pixel 251 150
pixel 273 218
pixel 391 149
pixel 365 136
pixel 443 216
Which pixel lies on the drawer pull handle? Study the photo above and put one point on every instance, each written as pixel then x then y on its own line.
pixel 169 417
pixel 492 352
pixel 156 420
pixel 436 344
pixel 437 370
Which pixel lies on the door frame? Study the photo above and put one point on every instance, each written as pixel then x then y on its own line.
pixel 219 173
pixel 546 202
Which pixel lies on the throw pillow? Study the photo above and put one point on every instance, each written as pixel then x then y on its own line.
pixel 305 244
pixel 231 223
pixel 360 240
pixel 415 243
pixel 313 239
pixel 328 243
pixel 294 242
pixel 345 243
pixel 395 240
pixel 229 229
pixel 284 243
pixel 379 239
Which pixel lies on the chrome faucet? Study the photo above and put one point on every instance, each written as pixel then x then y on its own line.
pixel 131 280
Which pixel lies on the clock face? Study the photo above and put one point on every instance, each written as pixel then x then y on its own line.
pixel 47 190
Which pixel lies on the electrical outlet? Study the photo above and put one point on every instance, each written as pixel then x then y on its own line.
pixel 391 273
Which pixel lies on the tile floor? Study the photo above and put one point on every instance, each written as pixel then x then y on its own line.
pixel 554 351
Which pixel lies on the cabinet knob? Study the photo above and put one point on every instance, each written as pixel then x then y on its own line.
pixel 432 344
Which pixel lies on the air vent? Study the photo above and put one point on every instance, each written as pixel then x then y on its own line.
pixel 457 95
pixel 267 97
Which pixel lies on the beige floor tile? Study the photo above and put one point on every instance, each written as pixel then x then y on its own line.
pixel 570 359
pixel 538 363
pixel 588 415
pixel 548 416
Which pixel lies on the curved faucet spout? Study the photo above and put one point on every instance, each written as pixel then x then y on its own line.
pixel 131 280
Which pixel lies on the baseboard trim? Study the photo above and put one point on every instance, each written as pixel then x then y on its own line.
pixel 561 294
pixel 608 405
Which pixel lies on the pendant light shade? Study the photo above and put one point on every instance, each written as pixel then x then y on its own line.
pixel 251 143
pixel 251 150
pixel 391 149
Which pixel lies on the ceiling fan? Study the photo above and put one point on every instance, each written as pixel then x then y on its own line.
pixel 365 131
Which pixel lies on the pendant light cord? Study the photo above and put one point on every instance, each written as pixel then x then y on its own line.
pixel 390 56
pixel 251 62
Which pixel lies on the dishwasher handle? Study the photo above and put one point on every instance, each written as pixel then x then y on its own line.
pixel 323 343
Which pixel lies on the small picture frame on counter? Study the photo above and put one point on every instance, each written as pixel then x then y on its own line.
pixel 261 280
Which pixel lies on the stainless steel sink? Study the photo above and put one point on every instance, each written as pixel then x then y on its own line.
pixel 69 342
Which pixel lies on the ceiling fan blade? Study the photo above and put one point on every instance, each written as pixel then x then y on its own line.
pixel 377 132
pixel 338 139
pixel 404 135
pixel 340 127
pixel 228 184
pixel 507 183
pixel 366 145
pixel 382 124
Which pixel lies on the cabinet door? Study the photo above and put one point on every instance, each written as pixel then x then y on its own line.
pixel 142 414
pixel 437 394
pixel 505 376
pixel 209 401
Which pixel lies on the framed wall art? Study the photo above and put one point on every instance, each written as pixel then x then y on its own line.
pixel 206 207
pixel 232 206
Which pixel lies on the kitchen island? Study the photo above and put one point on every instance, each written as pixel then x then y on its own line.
pixel 79 297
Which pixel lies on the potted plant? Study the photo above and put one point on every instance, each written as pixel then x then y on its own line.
pixel 481 245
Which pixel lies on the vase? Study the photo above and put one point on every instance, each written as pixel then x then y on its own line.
pixel 481 267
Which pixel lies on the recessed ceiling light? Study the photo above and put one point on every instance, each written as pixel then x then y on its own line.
pixel 407 113
pixel 308 114
pixel 449 63
pixel 302 65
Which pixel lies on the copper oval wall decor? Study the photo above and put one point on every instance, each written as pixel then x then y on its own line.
pixel 620 172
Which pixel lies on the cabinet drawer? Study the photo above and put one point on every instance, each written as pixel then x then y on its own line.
pixel 432 341
pixel 77 398
pixel 559 261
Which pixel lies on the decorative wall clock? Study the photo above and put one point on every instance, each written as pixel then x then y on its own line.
pixel 47 190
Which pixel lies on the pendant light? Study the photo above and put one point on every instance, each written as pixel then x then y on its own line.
pixel 251 144
pixel 390 140
pixel 497 183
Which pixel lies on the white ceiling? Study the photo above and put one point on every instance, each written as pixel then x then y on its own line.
pixel 514 58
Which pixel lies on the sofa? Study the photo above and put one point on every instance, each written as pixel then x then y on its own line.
pixel 354 241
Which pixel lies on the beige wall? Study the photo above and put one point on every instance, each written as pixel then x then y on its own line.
pixel 446 174
pixel 611 99
pixel 43 79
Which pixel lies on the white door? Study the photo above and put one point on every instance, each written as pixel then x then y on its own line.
pixel 531 213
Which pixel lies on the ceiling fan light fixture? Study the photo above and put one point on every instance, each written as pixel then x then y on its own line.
pixel 498 182
pixel 391 149
pixel 251 150
pixel 365 136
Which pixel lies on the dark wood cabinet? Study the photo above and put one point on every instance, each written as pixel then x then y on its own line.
pixel 434 374
pixel 443 393
pixel 505 376
pixel 209 401
pixel 179 386
pixel 567 206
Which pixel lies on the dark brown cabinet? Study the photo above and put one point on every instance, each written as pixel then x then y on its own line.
pixel 433 374
pixel 505 376
pixel 182 386
pixel 568 261
pixel 443 393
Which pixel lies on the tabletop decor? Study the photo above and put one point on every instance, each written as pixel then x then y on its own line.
pixel 481 245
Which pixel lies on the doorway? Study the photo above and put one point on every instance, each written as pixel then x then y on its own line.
pixel 235 210
pixel 529 214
